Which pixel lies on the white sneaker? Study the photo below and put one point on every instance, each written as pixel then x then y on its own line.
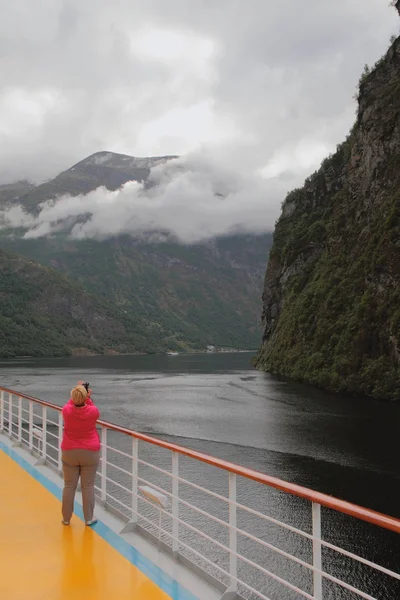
pixel 65 522
pixel 91 522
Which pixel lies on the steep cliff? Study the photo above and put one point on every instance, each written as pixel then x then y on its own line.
pixel 332 287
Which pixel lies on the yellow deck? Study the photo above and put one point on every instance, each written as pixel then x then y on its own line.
pixel 40 559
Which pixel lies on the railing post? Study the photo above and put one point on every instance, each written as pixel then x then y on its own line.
pixel 175 502
pixel 135 467
pixel 60 434
pixel 10 414
pixel 317 556
pixel 19 419
pixel 44 431
pixel 232 532
pixel 30 426
pixel 103 464
pixel 1 411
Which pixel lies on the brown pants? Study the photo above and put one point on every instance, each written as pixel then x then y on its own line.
pixel 77 463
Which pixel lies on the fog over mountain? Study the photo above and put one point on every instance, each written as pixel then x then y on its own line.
pixel 259 88
pixel 192 198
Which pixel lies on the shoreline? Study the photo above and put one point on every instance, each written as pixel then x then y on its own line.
pixel 109 354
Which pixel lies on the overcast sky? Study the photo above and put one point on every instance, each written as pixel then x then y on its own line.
pixel 261 85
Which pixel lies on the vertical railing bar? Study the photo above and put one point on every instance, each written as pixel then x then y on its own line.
pixel 60 434
pixel 30 427
pixel 135 467
pixel 103 464
pixel 159 529
pixel 10 414
pixel 317 550
pixel 175 502
pixel 232 532
pixel 1 410
pixel 44 431
pixel 16 431
pixel 19 419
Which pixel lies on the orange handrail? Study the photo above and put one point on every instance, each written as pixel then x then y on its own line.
pixel 364 514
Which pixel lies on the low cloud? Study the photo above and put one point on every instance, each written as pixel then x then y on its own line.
pixel 158 77
pixel 190 198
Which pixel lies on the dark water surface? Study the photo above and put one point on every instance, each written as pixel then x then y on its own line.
pixel 219 404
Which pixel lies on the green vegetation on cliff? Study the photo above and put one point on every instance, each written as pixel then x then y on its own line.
pixel 332 287
pixel 200 294
pixel 44 314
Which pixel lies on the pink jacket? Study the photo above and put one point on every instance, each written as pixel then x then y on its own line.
pixel 80 426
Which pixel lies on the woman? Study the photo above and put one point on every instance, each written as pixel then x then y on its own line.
pixel 80 452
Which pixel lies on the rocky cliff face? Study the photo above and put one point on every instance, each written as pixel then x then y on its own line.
pixel 332 288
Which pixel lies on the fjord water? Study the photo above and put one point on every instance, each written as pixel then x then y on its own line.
pixel 221 405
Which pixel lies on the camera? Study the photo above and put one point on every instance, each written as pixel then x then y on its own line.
pixel 86 385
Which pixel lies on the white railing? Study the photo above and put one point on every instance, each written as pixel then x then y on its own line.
pixel 250 533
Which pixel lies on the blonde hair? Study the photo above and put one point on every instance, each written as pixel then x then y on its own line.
pixel 79 395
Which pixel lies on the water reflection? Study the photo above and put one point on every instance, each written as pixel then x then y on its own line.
pixel 79 567
pixel 220 405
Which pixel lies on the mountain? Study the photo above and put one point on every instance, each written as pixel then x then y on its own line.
pixel 203 294
pixel 12 191
pixel 332 288
pixel 100 169
pixel 42 313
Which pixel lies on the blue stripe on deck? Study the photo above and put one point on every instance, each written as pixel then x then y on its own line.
pixel 166 583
